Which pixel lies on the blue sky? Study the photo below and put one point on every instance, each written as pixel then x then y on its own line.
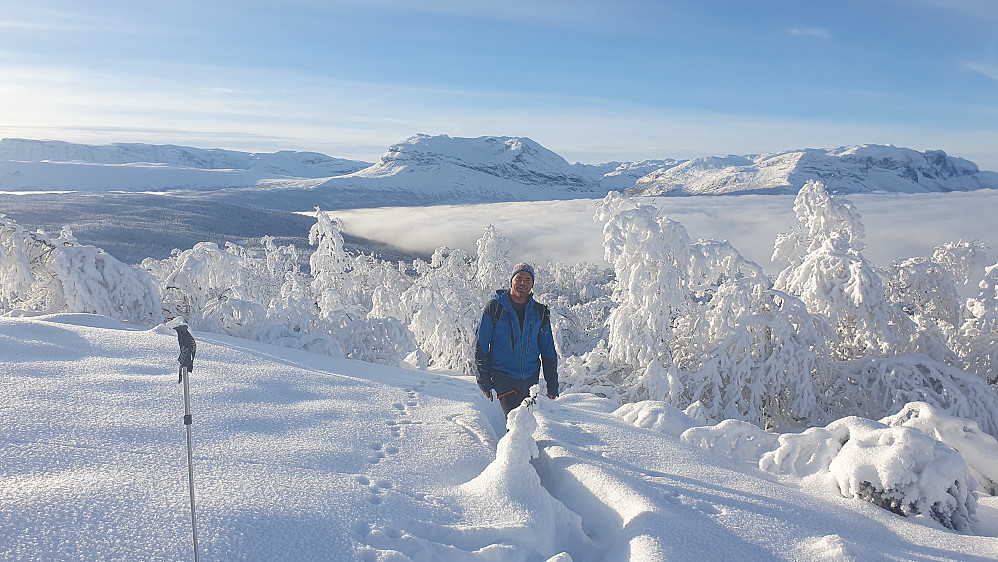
pixel 593 81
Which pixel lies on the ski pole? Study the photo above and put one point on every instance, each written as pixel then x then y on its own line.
pixel 188 347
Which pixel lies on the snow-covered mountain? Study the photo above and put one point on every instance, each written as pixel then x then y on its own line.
pixel 34 165
pixel 853 169
pixel 445 169
pixel 427 169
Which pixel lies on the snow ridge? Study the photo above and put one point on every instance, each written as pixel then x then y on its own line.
pixel 425 169
pixel 852 169
pixel 56 165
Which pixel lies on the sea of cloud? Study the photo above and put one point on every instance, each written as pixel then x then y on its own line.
pixel 897 225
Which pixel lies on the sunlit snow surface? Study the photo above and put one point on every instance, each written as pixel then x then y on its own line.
pixel 304 457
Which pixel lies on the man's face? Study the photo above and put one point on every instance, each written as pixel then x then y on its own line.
pixel 521 285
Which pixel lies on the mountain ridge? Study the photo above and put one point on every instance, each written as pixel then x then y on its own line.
pixel 424 169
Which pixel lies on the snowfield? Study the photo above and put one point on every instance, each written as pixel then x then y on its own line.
pixel 299 456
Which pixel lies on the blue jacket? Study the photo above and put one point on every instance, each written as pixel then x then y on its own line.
pixel 503 348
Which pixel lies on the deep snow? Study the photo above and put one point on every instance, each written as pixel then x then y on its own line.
pixel 300 457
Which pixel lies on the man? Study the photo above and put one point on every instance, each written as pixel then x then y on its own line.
pixel 514 341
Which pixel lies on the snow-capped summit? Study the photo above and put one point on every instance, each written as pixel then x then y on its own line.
pixel 517 159
pixel 444 169
pixel 851 169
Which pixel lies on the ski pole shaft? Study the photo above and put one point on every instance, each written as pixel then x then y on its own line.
pixel 185 376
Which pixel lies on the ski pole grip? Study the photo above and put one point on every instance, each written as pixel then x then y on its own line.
pixel 188 347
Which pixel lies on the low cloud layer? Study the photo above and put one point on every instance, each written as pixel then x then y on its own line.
pixel 564 231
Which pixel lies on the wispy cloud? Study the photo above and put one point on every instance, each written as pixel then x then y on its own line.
pixel 988 69
pixel 275 110
pixel 818 32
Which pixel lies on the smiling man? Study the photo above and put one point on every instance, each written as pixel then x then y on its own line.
pixel 514 341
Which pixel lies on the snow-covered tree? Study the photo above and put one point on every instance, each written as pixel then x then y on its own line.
pixel 819 217
pixel 768 365
pixel 202 276
pixel 44 274
pixel 980 329
pixel 329 265
pixel 20 254
pixel 875 387
pixel 898 468
pixel 90 280
pixel 579 298
pixel 829 273
pixel 927 292
pixel 442 308
pixel 650 256
pixel 964 259
pixel 492 260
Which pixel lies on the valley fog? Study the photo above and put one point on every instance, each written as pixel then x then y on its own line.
pixel 897 225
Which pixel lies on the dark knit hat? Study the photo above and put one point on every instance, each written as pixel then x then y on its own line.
pixel 522 267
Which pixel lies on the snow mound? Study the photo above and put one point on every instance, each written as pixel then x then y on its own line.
pixel 834 547
pixel 510 485
pixel 656 416
pixel 978 449
pixel 735 439
pixel 898 468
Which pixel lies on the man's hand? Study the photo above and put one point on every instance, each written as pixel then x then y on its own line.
pixel 552 396
pixel 488 394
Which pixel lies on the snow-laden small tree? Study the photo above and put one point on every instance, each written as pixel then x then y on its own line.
pixel 819 216
pixel 202 276
pixel 45 274
pixel 329 264
pixel 442 308
pixel 965 260
pixel 385 298
pixel 980 329
pixel 874 387
pixel 579 297
pixel 650 256
pixel 978 449
pixel 768 364
pixel 924 289
pixel 492 265
pixel 90 280
pixel 829 273
pixel 20 254
pixel 927 292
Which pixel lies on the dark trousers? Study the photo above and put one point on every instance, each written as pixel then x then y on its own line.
pixel 512 392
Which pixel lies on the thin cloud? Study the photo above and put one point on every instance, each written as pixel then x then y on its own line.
pixel 988 69
pixel 817 32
